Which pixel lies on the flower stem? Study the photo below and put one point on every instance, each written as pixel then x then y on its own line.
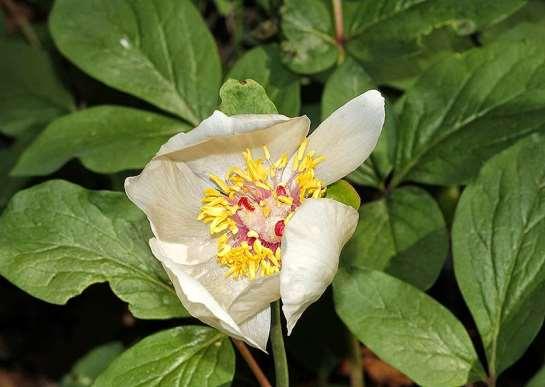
pixel 279 352
pixel 252 363
pixel 339 28
pixel 356 366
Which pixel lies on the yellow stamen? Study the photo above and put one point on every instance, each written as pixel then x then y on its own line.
pixel 221 204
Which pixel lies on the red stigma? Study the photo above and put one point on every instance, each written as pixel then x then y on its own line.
pixel 279 228
pixel 245 202
pixel 281 191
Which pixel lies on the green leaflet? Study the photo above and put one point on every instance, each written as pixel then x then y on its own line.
pixel 106 139
pixel 382 29
pixel 263 64
pixel 406 328
pixel 533 13
pixel 308 27
pixel 378 31
pixel 499 251
pixel 158 50
pixel 468 107
pixel 86 370
pixel 348 81
pixel 244 97
pixel 57 238
pixel 31 95
pixel 179 357
pixel 403 234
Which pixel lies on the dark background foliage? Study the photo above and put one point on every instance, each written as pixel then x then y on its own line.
pixel 302 73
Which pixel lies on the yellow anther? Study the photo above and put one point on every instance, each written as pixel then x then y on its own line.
pixel 220 183
pixel 301 150
pixel 285 199
pixel 220 206
pixel 266 152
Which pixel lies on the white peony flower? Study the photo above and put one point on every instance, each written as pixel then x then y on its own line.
pixel 237 210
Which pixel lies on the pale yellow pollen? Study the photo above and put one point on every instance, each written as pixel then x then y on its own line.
pixel 252 234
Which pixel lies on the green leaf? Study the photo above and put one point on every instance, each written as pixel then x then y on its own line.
pixel 57 238
pixel 106 139
pixel 31 95
pixel 179 357
pixel 403 71
pixel 538 380
pixel 308 27
pixel 87 369
pixel 263 64
pixel 348 81
pixel 383 29
pixel 403 234
pixel 406 328
pixel 158 50
pixel 468 107
pixel 343 192
pixel 532 13
pixel 245 97
pixel 499 251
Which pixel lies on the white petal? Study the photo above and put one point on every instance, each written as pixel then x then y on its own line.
pixel 240 308
pixel 348 136
pixel 219 124
pixel 217 144
pixel 170 195
pixel 311 245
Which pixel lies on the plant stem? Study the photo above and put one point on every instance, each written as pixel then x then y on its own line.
pixel 279 352
pixel 339 28
pixel 356 366
pixel 491 381
pixel 252 363
pixel 22 23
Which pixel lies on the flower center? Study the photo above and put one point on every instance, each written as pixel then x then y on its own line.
pixel 251 206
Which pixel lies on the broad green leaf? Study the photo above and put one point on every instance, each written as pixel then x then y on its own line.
pixel 403 234
pixel 158 50
pixel 343 192
pixel 308 27
pixel 245 97
pixel 348 81
pixel 468 107
pixel 263 64
pixel 538 380
pixel 406 328
pixel 179 357
pixel 402 71
pixel 87 369
pixel 31 95
pixel 391 28
pixel 57 238
pixel 499 250
pixel 106 139
pixel 531 13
